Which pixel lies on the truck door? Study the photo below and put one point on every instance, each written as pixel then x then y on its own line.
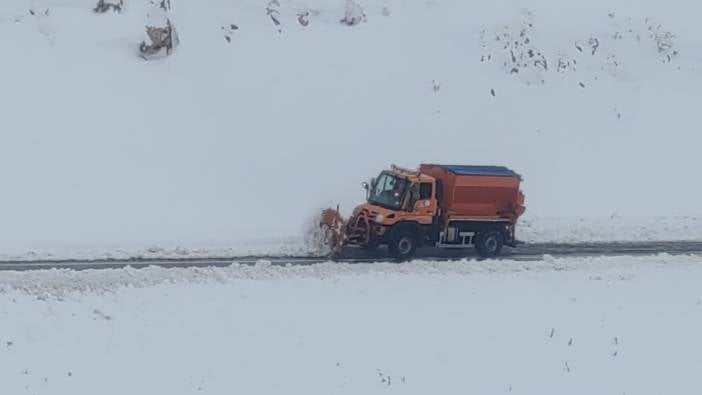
pixel 424 202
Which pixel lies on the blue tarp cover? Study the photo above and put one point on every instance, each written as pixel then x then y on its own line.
pixel 480 170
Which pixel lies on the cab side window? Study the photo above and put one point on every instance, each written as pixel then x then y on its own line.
pixel 425 190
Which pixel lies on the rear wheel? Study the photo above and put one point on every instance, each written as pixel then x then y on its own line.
pixel 489 243
pixel 403 244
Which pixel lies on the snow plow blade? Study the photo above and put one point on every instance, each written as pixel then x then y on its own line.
pixel 332 224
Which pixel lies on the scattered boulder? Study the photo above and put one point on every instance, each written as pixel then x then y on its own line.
pixel 353 14
pixel 164 5
pixel 161 39
pixel 273 12
pixel 103 6
pixel 161 35
pixel 664 40
pixel 229 31
pixel 303 18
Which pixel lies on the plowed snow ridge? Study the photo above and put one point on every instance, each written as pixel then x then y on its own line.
pixel 55 283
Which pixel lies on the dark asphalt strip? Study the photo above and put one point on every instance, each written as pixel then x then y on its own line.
pixel 525 252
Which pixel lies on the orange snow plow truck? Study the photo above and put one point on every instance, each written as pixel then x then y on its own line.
pixel 445 206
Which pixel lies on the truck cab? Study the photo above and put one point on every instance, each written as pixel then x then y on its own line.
pixel 400 203
pixel 404 195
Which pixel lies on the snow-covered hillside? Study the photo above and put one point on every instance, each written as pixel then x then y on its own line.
pixel 568 326
pixel 250 126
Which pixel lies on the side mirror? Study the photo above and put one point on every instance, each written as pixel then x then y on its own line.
pixel 365 185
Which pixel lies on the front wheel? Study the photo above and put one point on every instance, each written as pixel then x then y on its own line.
pixel 489 243
pixel 403 245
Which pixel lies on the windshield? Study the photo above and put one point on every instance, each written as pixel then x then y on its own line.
pixel 388 191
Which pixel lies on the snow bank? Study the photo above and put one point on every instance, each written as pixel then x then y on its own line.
pixel 59 282
pixel 575 326
pixel 269 111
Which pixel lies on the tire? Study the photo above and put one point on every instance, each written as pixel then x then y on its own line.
pixel 403 244
pixel 489 243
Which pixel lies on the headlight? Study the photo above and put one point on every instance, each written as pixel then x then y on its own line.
pixel 379 218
